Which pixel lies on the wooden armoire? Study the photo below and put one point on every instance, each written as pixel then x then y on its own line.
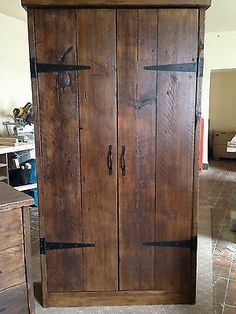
pixel 116 92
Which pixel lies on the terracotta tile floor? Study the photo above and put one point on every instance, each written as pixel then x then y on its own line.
pixel 218 192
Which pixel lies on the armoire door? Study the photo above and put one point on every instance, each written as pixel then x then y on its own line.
pixel 156 135
pixel 116 127
pixel 78 138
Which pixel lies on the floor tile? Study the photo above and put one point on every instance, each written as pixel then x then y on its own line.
pixel 219 295
pixel 231 298
pixel 229 310
pixel 219 271
pixel 232 285
pixel 233 274
pixel 218 308
pixel 221 261
pixel 220 283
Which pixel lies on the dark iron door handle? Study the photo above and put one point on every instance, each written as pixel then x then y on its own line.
pixel 123 166
pixel 109 160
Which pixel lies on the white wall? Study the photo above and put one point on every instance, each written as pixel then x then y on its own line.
pixel 15 86
pixel 223 100
pixel 220 53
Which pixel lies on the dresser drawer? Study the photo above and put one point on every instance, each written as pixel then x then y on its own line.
pixel 14 300
pixel 11 231
pixel 12 269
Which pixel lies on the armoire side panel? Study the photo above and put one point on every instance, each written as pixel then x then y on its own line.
pixel 136 47
pixel 59 133
pixel 178 43
pixel 96 37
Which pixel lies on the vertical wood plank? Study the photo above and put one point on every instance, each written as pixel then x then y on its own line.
pixel 97 88
pixel 28 259
pixel 177 42
pixel 196 148
pixel 59 135
pixel 38 144
pixel 137 47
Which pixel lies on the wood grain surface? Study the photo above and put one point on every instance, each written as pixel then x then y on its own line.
pixel 28 259
pixel 116 3
pixel 137 132
pixel 117 298
pixel 201 21
pixel 178 43
pixel 14 300
pixel 58 107
pixel 12 268
pixel 119 103
pixel 11 198
pixel 11 229
pixel 38 142
pixel 98 129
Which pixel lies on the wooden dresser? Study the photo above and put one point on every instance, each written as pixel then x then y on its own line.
pixel 16 290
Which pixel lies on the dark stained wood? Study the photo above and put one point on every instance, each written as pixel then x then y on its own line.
pixel 14 257
pixel 201 21
pixel 97 89
pixel 11 198
pixel 14 300
pixel 117 103
pixel 137 131
pixel 11 229
pixel 117 298
pixel 59 133
pixel 38 146
pixel 117 3
pixel 28 259
pixel 12 269
pixel 177 42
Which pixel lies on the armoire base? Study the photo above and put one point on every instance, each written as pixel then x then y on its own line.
pixel 116 298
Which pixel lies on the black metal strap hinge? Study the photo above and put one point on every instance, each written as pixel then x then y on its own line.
pixel 36 67
pixel 200 67
pixel 194 67
pixel 192 243
pixel 47 246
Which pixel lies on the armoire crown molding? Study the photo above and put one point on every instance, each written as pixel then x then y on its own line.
pixel 117 3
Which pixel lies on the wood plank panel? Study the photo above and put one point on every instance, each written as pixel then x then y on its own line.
pixel 11 198
pixel 201 20
pixel 177 42
pixel 115 298
pixel 14 300
pixel 28 259
pixel 38 143
pixel 11 229
pixel 12 269
pixel 137 47
pixel 59 112
pixel 117 3
pixel 97 48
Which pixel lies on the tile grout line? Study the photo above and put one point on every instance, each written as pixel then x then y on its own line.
pixel 227 285
pixel 218 238
pixel 217 198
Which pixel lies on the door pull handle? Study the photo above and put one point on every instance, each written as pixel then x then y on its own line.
pixel 109 160
pixel 123 161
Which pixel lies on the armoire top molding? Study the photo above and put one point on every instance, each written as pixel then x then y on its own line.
pixel 116 3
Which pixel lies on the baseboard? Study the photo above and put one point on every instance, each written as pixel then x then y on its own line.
pixel 74 299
